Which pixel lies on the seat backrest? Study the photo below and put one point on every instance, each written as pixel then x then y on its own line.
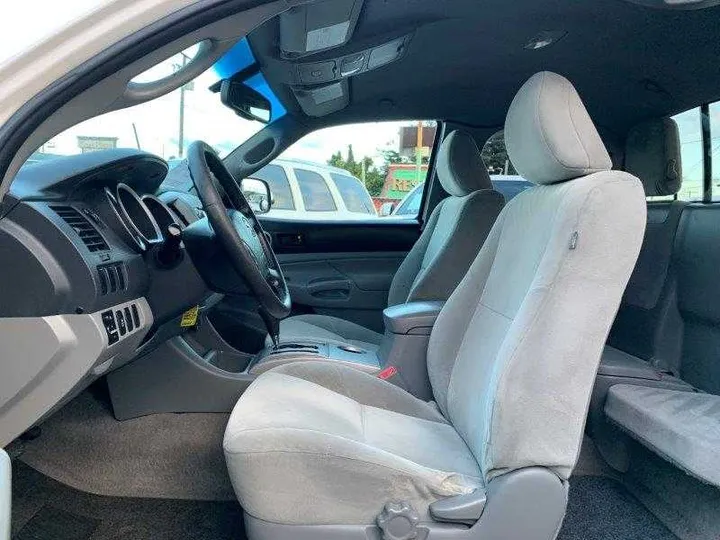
pixel 697 260
pixel 513 355
pixel 455 230
pixel 652 153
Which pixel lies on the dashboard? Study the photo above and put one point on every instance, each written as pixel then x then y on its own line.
pixel 78 233
pixel 85 287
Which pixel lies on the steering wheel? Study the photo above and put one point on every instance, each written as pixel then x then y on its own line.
pixel 238 230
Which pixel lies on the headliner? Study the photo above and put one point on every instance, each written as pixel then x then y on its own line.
pixel 466 59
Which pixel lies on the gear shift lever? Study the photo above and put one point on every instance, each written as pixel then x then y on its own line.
pixel 273 326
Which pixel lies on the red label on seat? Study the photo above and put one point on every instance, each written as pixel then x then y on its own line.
pixel 387 373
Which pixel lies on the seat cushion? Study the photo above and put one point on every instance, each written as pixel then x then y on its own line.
pixel 326 329
pixel 683 427
pixel 312 443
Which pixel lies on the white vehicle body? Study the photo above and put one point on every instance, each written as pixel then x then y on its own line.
pixel 298 203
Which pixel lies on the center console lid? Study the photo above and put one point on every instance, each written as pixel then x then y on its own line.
pixel 413 318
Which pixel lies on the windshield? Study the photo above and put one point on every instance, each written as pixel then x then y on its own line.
pixel 164 126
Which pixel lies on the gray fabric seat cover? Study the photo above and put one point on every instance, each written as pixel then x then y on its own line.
pixel 318 443
pixel 512 357
pixel 450 240
pixel 327 329
pixel 643 326
pixel 683 427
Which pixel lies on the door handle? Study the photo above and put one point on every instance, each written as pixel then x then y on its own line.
pixel 290 239
pixel 329 288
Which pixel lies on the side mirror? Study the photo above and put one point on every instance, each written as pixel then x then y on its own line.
pixel 257 193
pixel 386 209
pixel 246 102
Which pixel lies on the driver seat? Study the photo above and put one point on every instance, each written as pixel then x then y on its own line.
pixel 451 238
pixel 322 451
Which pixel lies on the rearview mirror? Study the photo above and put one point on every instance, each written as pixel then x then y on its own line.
pixel 257 193
pixel 386 209
pixel 246 102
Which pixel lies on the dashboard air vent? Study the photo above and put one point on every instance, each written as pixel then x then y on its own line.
pixel 112 278
pixel 82 226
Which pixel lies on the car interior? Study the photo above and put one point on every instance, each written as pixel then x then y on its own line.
pixel 179 363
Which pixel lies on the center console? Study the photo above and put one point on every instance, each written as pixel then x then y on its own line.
pixel 401 357
pixel 287 353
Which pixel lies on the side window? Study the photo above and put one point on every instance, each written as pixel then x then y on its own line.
pixel 411 205
pixel 505 178
pixel 495 156
pixel 276 178
pixel 353 193
pixel 315 192
pixel 691 153
pixel 359 171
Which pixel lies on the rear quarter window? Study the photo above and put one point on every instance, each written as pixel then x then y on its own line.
pixel 315 192
pixel 276 178
pixel 353 194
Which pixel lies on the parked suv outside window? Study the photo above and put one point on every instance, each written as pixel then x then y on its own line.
pixel 351 171
pixel 310 191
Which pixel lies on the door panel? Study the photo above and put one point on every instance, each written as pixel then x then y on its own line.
pixel 352 286
pixel 344 268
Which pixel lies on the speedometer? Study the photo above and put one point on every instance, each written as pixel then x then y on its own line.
pixel 114 216
pixel 137 215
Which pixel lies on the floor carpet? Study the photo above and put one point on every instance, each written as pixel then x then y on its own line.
pixel 602 509
pixel 167 456
pixel 44 509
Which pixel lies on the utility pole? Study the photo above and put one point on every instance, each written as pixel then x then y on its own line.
pixel 181 130
pixel 137 139
pixel 418 152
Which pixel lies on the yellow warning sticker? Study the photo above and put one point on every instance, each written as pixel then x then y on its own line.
pixel 190 317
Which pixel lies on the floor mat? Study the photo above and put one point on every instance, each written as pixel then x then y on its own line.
pixel 602 509
pixel 44 509
pixel 168 456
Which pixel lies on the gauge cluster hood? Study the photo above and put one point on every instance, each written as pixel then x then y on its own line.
pixel 60 178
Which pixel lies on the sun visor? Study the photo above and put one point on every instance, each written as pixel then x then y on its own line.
pixel 319 26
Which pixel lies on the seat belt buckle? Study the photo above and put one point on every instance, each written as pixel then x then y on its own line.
pixel 387 373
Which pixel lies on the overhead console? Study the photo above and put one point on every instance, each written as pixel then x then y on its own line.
pixel 315 50
pixel 337 68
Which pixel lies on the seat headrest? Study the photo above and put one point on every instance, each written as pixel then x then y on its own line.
pixel 460 168
pixel 652 153
pixel 549 134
